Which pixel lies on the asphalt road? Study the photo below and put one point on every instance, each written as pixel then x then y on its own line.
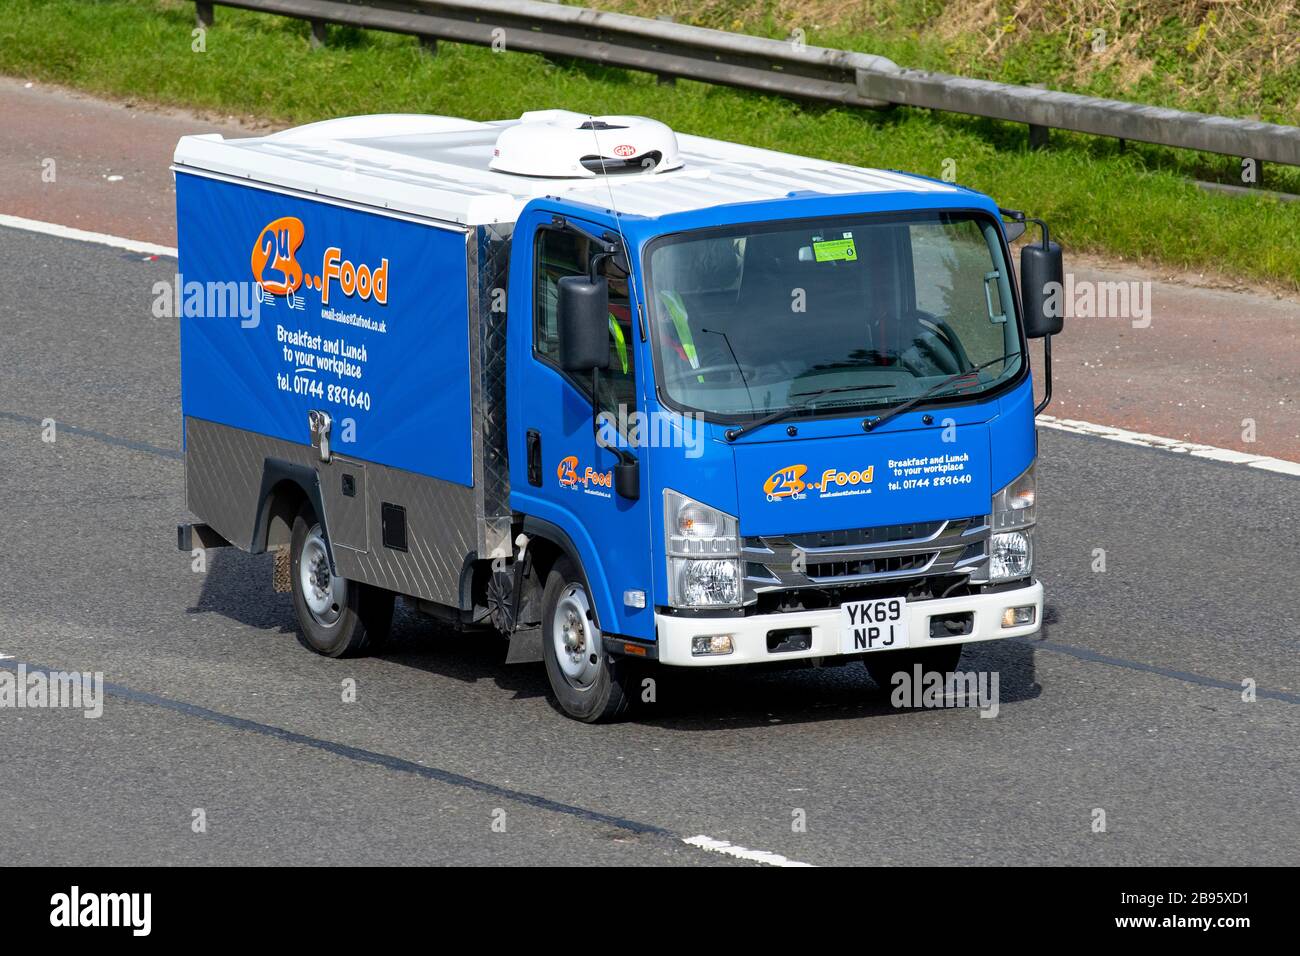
pixel 1130 703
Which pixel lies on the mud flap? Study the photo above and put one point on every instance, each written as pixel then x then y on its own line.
pixel 525 646
pixel 280 576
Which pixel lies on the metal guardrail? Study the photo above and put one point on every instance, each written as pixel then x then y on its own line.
pixel 673 50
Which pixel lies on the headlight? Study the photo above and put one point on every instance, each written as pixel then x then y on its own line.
pixel 1011 552
pixel 1011 555
pixel 703 549
pixel 711 582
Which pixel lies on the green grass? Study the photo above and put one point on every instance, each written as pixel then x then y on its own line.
pixel 1136 204
pixel 1232 59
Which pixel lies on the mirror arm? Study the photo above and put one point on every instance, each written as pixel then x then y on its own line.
pixel 1047 371
pixel 607 244
pixel 1042 225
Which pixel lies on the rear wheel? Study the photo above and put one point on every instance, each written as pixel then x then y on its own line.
pixel 337 617
pixel 588 683
pixel 882 666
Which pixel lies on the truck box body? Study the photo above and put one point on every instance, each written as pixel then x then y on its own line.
pixel 403 273
pixel 264 376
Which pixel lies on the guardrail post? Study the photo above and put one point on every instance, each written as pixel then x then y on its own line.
pixel 1039 136
pixel 664 79
pixel 429 45
pixel 317 34
pixel 202 13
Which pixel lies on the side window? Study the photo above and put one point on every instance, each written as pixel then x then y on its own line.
pixel 560 253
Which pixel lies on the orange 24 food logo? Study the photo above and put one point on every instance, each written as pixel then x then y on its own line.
pixel 277 270
pixel 790 482
pixel 589 478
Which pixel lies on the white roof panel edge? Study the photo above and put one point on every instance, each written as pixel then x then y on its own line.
pixel 436 167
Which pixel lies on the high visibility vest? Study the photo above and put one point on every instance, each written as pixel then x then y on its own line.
pixel 620 341
pixel 677 312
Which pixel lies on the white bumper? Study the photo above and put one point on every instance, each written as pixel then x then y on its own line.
pixel 749 634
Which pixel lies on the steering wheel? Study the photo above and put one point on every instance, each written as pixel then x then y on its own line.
pixel 935 349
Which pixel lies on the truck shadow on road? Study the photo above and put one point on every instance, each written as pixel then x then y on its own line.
pixel 237 586
pixel 730 698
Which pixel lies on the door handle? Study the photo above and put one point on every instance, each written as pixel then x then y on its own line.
pixel 533 439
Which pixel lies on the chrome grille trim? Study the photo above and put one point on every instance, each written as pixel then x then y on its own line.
pixel 864 555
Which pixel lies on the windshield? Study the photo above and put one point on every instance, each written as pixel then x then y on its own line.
pixel 831 314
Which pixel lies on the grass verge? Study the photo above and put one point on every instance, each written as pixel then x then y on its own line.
pixel 1135 204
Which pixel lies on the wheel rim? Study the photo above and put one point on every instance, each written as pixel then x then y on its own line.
pixel 324 592
pixel 576 637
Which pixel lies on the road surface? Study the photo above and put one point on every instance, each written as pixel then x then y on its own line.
pixel 1131 702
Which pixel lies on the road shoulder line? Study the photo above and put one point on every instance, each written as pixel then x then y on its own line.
pixel 82 235
pixel 1176 445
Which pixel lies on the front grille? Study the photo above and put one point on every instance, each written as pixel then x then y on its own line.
pixel 863 555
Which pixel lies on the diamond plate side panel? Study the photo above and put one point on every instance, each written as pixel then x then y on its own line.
pixel 223 479
pixel 490 262
pixel 223 476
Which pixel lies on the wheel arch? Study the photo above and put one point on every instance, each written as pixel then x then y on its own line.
pixel 549 542
pixel 286 486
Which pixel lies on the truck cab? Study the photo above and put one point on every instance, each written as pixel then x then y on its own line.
pixel 752 408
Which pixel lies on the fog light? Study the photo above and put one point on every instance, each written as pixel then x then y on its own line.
pixel 711 645
pixel 1019 616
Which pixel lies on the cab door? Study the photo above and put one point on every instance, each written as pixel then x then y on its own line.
pixel 559 472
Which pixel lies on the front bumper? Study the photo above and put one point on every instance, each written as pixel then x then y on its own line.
pixel 749 634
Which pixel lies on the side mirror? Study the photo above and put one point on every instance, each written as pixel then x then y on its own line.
pixel 627 478
pixel 583 314
pixel 1042 288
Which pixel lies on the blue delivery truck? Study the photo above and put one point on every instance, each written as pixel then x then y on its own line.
pixel 631 399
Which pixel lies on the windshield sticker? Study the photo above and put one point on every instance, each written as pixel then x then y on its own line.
pixel 789 483
pixel 835 250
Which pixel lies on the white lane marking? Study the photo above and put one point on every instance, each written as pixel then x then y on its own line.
pixel 67 232
pixel 6 657
pixel 1193 449
pixel 730 849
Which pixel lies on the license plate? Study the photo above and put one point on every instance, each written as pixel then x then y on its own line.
pixel 873 625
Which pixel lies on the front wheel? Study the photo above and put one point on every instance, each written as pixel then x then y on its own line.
pixel 337 617
pixel 589 685
pixel 883 665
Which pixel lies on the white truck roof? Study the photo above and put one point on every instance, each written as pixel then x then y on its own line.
pixel 437 167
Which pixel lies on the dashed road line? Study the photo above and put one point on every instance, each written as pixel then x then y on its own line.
pixel 740 852
pixel 401 765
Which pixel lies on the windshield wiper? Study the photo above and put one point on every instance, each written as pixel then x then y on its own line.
pixel 731 434
pixel 952 380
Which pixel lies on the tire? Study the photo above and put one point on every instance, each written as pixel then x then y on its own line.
pixel 588 683
pixel 883 665
pixel 336 617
